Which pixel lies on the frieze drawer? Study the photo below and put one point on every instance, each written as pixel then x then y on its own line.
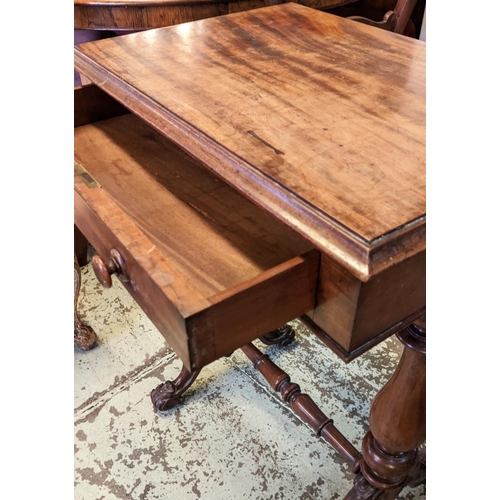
pixel 211 269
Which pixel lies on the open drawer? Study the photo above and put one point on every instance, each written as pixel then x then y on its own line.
pixel 211 269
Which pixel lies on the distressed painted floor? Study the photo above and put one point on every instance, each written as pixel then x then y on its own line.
pixel 232 437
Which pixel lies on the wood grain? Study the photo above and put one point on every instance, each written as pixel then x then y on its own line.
pixel 122 17
pixel 106 226
pixel 211 270
pixel 353 313
pixel 317 119
pixel 129 15
pixel 209 231
pixel 397 425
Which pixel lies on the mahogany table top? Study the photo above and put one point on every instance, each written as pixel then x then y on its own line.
pixel 318 119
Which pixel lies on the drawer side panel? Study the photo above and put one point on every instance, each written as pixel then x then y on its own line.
pixel 146 291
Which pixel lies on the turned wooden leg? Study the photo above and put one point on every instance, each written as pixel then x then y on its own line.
pixel 397 426
pixel 84 337
pixel 282 336
pixel 168 394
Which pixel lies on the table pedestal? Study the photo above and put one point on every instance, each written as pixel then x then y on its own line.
pixel 391 458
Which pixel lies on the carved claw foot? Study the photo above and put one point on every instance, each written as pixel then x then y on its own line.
pixel 168 394
pixel 84 337
pixel 282 336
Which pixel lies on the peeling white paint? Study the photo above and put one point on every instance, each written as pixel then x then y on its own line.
pixel 232 437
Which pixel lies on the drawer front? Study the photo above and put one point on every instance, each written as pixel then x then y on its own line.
pixel 244 313
pixel 109 228
pixel 200 330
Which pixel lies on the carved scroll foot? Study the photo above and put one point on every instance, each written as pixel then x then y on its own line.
pixel 282 336
pixel 168 394
pixel 84 337
pixel 391 456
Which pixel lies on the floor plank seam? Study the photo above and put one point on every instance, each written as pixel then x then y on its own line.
pixel 102 398
pixel 275 397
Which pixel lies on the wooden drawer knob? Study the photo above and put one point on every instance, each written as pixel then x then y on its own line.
pixel 116 265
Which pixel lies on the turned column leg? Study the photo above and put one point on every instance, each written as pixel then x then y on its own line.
pixel 168 394
pixel 84 337
pixel 397 426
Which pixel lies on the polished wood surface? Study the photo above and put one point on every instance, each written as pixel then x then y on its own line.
pixel 403 11
pixel 351 315
pixel 127 158
pixel 317 119
pixel 391 455
pixel 129 15
pixel 211 269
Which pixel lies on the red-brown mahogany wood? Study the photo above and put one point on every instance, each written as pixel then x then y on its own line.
pixel 131 15
pixel 317 119
pixel 397 425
